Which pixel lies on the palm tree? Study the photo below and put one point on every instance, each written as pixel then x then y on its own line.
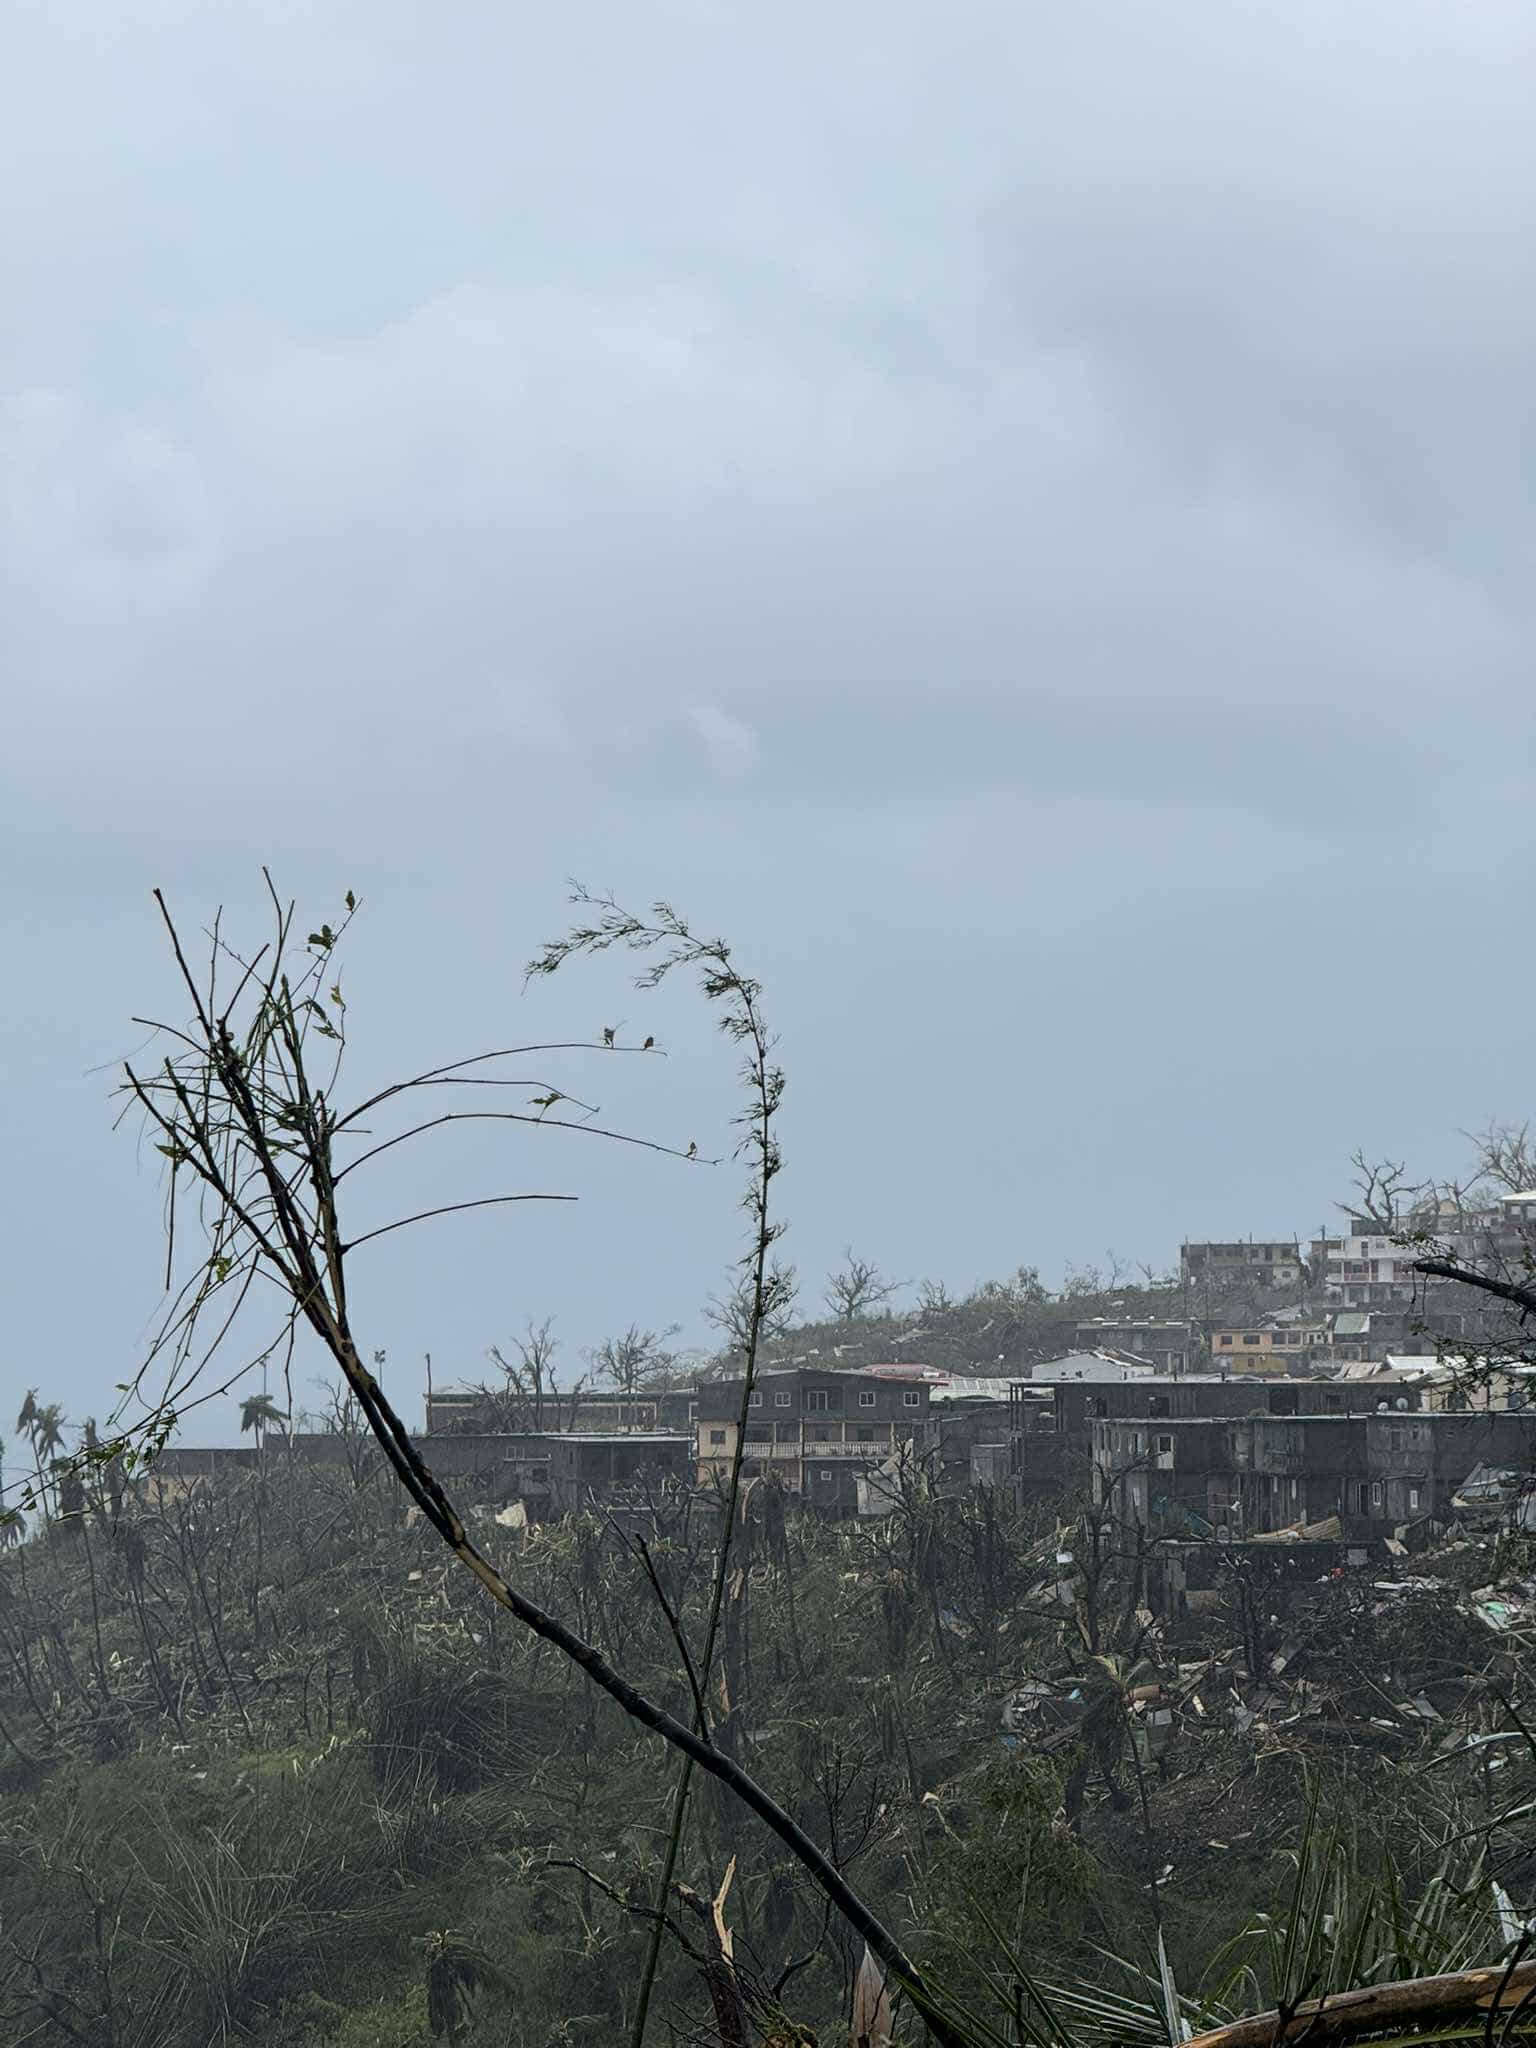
pixel 259 1412
pixel 44 1429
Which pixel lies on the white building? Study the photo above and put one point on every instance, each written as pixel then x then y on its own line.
pixel 1103 1366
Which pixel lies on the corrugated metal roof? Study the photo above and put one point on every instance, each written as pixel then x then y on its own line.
pixel 981 1387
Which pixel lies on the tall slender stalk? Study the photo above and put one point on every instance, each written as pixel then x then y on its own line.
pixel 762 1295
pixel 236 1107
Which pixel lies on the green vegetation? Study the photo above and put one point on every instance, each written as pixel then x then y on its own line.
pixel 342 1801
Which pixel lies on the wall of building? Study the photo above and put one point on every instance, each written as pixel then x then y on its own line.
pixel 813 1428
pixel 1258 1473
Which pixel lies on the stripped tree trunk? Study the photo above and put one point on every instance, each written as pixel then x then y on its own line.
pixel 1473 1997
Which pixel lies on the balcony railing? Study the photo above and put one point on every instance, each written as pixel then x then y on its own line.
pixel 811 1450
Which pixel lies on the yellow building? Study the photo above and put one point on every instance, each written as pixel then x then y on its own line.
pixel 1272 1348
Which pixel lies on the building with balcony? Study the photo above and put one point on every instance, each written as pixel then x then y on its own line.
pixel 813 1428
pixel 1366 1268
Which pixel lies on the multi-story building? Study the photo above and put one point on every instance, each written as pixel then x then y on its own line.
pixel 1367 1267
pixel 562 1471
pixel 814 1428
pixel 480 1410
pixel 1165 1345
pixel 1269 1262
pixel 964 1416
pixel 1271 1347
pixel 553 1472
pixel 1050 1430
pixel 1373 1265
pixel 1239 1476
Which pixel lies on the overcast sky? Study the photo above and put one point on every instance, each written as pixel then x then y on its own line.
pixel 1021 516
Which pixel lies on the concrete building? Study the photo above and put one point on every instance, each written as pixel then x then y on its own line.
pixel 1231 1477
pixel 603 1410
pixel 814 1428
pixel 1473 1385
pixel 1163 1344
pixel 959 1426
pixel 1050 1431
pixel 1289 1346
pixel 1242 1264
pixel 558 1472
pixel 1366 1268
pixel 1096 1366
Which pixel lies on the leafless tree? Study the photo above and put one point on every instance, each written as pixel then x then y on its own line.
pixel 530 1377
pixel 1506 1156
pixel 341 1418
pixel 636 1359
pixel 733 1313
pixel 858 1287
pixel 1383 1192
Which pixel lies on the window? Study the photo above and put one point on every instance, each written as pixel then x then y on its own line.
pixel 1250 1338
pixel 1375 1493
pixel 1413 1498
pixel 912 1400
pixel 782 1400
pixel 866 1400
pixel 717 1436
pixel 826 1472
pixel 754 1400
pixel 693 1411
pixel 817 1400
pixel 1225 1339
pixel 1163 1443
pixel 865 1434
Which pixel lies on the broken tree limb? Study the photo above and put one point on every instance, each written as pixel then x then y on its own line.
pixel 1421 2002
pixel 1524 1298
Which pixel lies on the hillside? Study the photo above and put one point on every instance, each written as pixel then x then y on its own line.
pixel 275 1771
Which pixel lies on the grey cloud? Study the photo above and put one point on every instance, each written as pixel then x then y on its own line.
pixel 1023 517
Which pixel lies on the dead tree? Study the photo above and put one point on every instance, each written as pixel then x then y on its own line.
pixel 858 1287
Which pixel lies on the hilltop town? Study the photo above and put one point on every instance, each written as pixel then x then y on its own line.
pixel 1331 1392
